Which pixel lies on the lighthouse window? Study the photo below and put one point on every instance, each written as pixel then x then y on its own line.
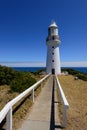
pixel 52 30
pixel 52 46
pixel 52 53
pixel 53 37
pixel 49 31
pixel 52 60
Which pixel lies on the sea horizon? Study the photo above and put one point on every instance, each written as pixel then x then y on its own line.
pixel 34 69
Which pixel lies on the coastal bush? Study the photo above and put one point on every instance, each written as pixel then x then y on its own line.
pixel 22 82
pixel 18 81
pixel 82 76
pixel 39 71
pixel 79 74
pixel 71 71
pixel 6 75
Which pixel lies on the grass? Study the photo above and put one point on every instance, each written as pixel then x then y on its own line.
pixel 6 95
pixel 21 109
pixel 20 115
pixel 76 94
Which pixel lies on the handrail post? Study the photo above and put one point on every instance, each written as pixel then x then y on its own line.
pixel 9 120
pixel 64 116
pixel 33 95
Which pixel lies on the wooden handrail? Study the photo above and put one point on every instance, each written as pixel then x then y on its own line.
pixel 7 110
pixel 64 102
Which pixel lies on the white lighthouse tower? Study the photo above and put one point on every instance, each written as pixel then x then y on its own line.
pixel 53 55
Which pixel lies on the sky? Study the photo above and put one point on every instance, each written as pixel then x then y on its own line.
pixel 24 28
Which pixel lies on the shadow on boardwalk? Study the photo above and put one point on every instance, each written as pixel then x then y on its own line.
pixel 52 119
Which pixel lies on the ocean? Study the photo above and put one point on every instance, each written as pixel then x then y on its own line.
pixel 34 69
pixel 81 69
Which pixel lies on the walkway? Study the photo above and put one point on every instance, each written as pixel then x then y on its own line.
pixel 44 113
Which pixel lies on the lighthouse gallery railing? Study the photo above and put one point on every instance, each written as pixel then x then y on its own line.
pixel 7 110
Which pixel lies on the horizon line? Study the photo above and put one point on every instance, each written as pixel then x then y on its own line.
pixel 43 64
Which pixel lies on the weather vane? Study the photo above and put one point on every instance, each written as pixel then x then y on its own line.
pixel 52 21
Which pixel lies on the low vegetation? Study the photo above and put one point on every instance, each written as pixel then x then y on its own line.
pixel 76 73
pixel 18 81
pixel 12 83
pixel 76 94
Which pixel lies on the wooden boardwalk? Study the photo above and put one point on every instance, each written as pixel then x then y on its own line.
pixel 44 114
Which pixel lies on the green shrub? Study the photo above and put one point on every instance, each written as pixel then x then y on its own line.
pixel 21 83
pixel 18 81
pixel 82 76
pixel 79 74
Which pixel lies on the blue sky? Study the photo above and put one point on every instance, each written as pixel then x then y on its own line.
pixel 24 24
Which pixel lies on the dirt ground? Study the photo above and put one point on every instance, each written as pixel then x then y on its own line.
pixel 76 94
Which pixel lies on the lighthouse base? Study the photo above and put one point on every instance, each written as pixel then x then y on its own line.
pixel 53 71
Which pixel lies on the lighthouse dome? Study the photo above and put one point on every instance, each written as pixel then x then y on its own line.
pixel 53 24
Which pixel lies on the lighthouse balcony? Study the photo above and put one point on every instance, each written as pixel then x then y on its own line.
pixel 54 38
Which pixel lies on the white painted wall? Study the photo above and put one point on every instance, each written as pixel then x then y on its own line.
pixel 55 57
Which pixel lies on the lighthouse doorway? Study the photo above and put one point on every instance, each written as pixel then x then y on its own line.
pixel 53 71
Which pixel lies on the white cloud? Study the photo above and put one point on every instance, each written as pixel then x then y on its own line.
pixel 42 64
pixel 74 64
pixel 23 64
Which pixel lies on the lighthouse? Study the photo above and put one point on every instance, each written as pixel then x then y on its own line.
pixel 53 54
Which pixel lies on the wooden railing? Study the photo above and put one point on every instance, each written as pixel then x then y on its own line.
pixel 7 110
pixel 64 101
